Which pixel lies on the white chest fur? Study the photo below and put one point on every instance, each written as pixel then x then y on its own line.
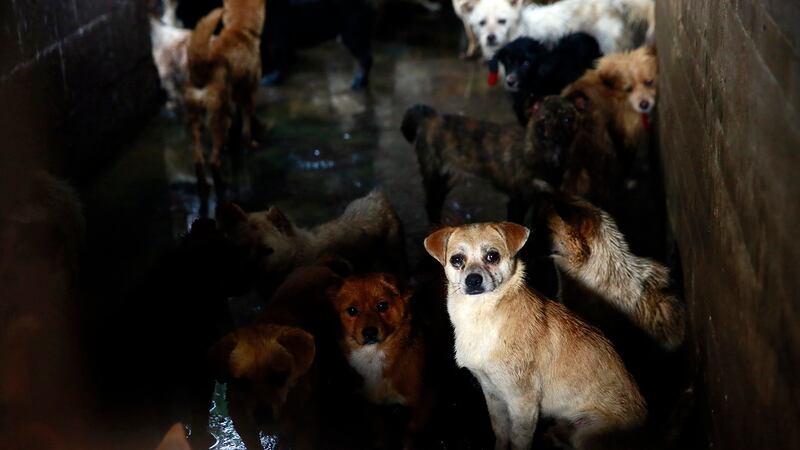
pixel 477 330
pixel 369 361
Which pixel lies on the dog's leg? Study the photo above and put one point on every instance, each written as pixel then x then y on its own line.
pixel 472 42
pixel 243 421
pixel 498 412
pixel 524 412
pixel 436 188
pixel 248 106
pixel 220 125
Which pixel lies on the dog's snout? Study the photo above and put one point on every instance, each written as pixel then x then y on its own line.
pixel 474 280
pixel 644 105
pixel 491 39
pixel 370 335
pixel 511 80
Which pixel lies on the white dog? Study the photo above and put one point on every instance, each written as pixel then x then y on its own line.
pixel 611 22
pixel 170 41
pixel 495 23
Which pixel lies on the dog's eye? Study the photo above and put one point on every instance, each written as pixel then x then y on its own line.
pixel 648 83
pixel 352 311
pixel 482 22
pixel 382 306
pixel 492 257
pixel 501 21
pixel 457 260
pixel 628 88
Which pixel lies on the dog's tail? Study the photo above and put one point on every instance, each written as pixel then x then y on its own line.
pixel 642 13
pixel 663 317
pixel 199 47
pixel 414 117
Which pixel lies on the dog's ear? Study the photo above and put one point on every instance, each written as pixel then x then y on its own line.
pixel 516 3
pixel 436 244
pixel 337 264
pixel 281 222
pixel 466 6
pixel 650 50
pixel 515 235
pixel 229 215
pixel 580 100
pixel 610 78
pixel 301 345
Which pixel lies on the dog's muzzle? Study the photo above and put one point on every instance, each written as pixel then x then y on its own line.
pixel 474 284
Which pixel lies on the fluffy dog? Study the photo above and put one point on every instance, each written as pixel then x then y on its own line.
pixel 494 23
pixel 368 235
pixel 381 344
pixel 170 43
pixel 612 22
pixel 636 74
pixel 272 366
pixel 589 249
pixel 533 71
pixel 224 74
pixel 518 162
pixel 531 356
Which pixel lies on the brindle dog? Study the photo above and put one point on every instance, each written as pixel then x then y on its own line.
pixel 518 162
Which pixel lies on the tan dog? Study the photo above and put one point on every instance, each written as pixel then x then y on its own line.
pixel 590 250
pixel 531 356
pixel 382 346
pixel 224 73
pixel 368 235
pixel 271 366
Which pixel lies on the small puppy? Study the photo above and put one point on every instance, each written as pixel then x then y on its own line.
pixel 589 249
pixel 382 346
pixel 368 235
pixel 612 22
pixel 531 356
pixel 224 73
pixel 272 366
pixel 533 71
pixel 518 162
pixel 170 43
pixel 635 73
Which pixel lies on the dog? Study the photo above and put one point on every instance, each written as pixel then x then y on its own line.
pixel 590 250
pixel 494 23
pixel 531 356
pixel 462 9
pixel 518 162
pixel 224 74
pixel 533 71
pixel 292 25
pixel 383 346
pixel 280 369
pixel 368 235
pixel 170 43
pixel 612 22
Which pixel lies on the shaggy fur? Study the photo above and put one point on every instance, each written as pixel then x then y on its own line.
pixel 612 22
pixel 533 71
pixel 531 356
pixel 518 162
pixel 224 74
pixel 590 250
pixel 368 235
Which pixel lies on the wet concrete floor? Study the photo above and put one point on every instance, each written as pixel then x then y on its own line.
pixel 322 146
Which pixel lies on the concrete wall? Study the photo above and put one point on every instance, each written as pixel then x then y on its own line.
pixel 730 141
pixel 74 74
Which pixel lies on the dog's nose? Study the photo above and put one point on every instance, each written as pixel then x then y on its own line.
pixel 491 39
pixel 511 80
pixel 644 105
pixel 473 280
pixel 370 334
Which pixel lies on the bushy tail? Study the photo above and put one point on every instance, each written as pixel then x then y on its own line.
pixel 413 118
pixel 198 51
pixel 664 318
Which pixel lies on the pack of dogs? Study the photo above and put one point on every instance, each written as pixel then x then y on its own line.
pixel 349 332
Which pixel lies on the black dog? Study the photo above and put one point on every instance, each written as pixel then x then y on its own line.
pixel 534 71
pixel 295 24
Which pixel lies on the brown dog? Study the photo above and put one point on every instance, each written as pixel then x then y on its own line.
pixel 272 366
pixel 531 356
pixel 518 162
pixel 382 346
pixel 590 251
pixel 224 73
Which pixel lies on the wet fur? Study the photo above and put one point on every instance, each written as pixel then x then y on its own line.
pixel 531 356
pixel 591 251
pixel 517 162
